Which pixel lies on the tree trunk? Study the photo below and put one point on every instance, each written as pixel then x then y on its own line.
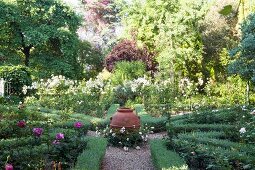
pixel 248 93
pixel 26 51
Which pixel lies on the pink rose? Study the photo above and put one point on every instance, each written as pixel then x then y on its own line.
pixel 60 136
pixel 78 124
pixel 38 131
pixel 8 167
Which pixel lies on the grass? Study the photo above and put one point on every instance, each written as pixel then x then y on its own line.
pixel 164 159
pixel 92 156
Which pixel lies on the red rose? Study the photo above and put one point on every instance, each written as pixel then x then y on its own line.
pixel 21 124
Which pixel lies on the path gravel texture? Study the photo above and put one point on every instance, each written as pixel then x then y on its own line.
pixel 118 159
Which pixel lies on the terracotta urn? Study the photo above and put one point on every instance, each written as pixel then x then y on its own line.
pixel 125 117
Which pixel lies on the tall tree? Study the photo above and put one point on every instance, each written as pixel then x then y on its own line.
pixel 42 32
pixel 171 29
pixel 219 34
pixel 101 20
pixel 244 54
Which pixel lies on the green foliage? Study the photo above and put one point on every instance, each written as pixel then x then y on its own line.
pixel 177 128
pixel 126 137
pixel 43 34
pixel 219 35
pixel 91 59
pixel 207 135
pixel 249 126
pixel 214 146
pixel 212 157
pixel 171 28
pixel 17 76
pixel 243 64
pixel 90 97
pixel 158 97
pixel 92 157
pixel 164 158
pixel 228 116
pixel 24 151
pixel 158 123
pixel 125 70
pixel 226 10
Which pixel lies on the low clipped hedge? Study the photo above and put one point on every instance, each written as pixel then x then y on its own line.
pixel 159 123
pixel 206 140
pixel 210 134
pixel 165 159
pixel 92 157
pixel 205 155
pixel 220 116
pixel 178 128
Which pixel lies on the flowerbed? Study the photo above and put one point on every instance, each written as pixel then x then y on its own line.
pixel 217 141
pixel 32 140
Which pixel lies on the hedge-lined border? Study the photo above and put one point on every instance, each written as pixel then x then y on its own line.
pixel 93 155
pixel 165 159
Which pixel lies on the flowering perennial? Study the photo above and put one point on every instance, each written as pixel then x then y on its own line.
pixel 78 124
pixel 8 167
pixel 60 136
pixel 37 131
pixel 21 124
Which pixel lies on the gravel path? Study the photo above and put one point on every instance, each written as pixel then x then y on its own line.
pixel 118 159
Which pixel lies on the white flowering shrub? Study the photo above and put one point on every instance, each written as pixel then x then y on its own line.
pixel 90 97
pixel 130 90
pixel 158 97
pixel 126 137
pixel 247 130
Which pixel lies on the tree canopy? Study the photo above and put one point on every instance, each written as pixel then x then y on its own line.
pixel 170 29
pixel 244 53
pixel 42 34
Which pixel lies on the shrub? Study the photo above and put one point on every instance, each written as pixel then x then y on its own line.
pixel 92 97
pixel 125 70
pixel 228 116
pixel 127 50
pixel 206 156
pixel 92 157
pixel 209 141
pixel 17 76
pixel 248 134
pixel 174 129
pixel 159 123
pixel 126 137
pixel 165 159
pixel 158 97
pixel 210 134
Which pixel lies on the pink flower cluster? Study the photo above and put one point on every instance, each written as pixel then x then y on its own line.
pixel 59 136
pixel 37 131
pixel 78 124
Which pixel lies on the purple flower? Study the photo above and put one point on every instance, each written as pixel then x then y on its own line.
pixel 8 167
pixel 21 124
pixel 59 136
pixel 78 124
pixel 55 142
pixel 38 131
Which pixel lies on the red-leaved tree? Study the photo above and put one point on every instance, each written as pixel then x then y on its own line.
pixel 127 50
